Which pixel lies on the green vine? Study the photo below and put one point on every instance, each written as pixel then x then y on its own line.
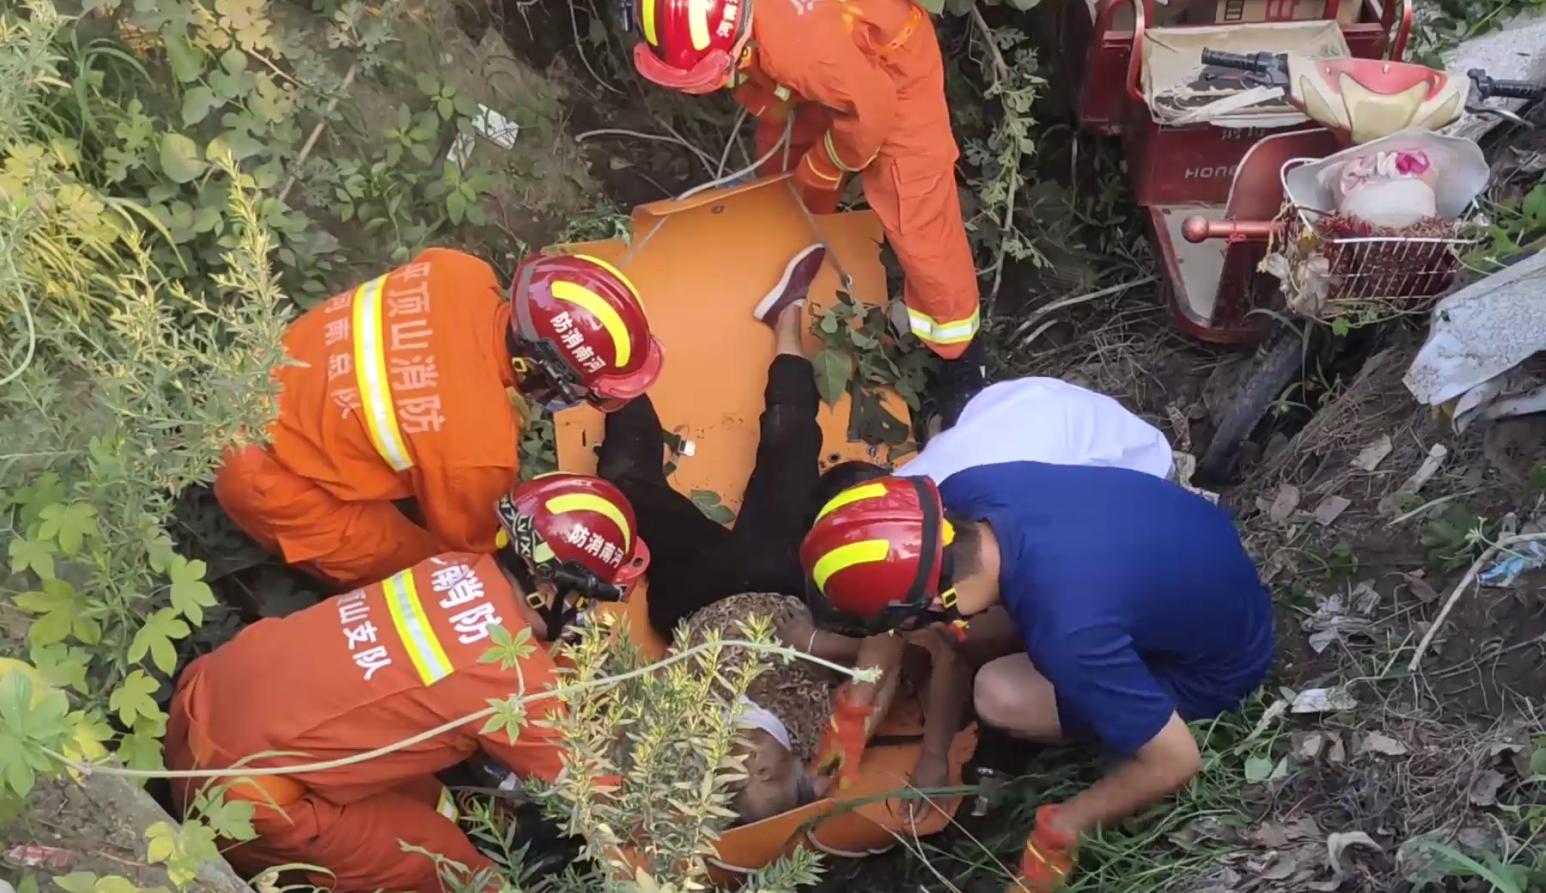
pixel 863 355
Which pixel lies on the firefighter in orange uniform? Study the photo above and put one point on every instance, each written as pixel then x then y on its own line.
pixel 865 84
pixel 389 661
pixel 398 391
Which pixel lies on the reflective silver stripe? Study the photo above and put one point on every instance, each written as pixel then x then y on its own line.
pixel 927 329
pixel 414 629
pixel 371 375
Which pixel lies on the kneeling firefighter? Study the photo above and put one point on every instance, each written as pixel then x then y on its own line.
pixel 389 661
pixel 398 391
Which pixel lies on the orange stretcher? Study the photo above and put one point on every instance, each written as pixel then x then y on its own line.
pixel 701 264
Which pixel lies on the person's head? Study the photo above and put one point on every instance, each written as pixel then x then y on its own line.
pixel 569 540
pixel 695 46
pixel 578 333
pixel 885 556
pixel 839 478
pixel 774 778
pixel 776 781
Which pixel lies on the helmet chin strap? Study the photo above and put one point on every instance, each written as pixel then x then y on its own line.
pixel 556 614
pixel 952 614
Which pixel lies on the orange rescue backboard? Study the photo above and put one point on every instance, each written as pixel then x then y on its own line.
pixel 701 265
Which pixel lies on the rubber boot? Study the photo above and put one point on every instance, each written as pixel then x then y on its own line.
pixel 956 383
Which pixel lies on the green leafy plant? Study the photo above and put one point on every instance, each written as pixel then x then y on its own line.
pixel 1443 24
pixel 1518 227
pixel 1501 874
pixel 708 502
pixel 651 761
pixel 862 354
pixel 1456 537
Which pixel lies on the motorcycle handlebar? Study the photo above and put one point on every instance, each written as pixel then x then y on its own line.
pixel 1487 87
pixel 1257 62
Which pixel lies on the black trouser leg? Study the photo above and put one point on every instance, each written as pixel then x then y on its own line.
pixel 771 525
pixel 690 561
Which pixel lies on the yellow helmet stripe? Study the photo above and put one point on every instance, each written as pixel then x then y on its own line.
pixel 632 289
pixel 851 495
pixel 698 23
pixel 844 557
pixel 579 295
pixel 586 502
pixel 647 18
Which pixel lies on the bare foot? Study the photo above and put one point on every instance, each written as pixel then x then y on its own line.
pixel 787 330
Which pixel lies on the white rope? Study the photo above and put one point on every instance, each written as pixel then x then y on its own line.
pixel 866 674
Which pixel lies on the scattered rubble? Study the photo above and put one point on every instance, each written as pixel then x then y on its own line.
pixel 1323 700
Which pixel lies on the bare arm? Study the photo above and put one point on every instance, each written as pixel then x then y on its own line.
pixel 989 636
pixel 1161 767
pixel 884 652
pixel 799 631
pixel 950 680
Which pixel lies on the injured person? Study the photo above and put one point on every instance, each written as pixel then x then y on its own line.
pixel 788 720
pixel 697 563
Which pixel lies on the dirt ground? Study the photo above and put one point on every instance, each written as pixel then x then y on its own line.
pixel 97 826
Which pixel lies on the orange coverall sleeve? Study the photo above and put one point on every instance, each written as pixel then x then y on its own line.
pixel 823 65
pixel 458 505
pixel 537 751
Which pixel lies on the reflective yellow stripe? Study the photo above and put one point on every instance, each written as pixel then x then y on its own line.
pixel 851 495
pixel 414 629
pixel 837 160
pixel 844 557
pixel 579 295
pixel 811 165
pixel 782 92
pixel 928 329
pixel 698 23
pixel 647 19
pixel 585 502
pixel 1041 857
pixel 447 805
pixel 371 374
pixel 632 289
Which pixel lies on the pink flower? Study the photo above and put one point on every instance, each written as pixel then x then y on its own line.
pixel 1412 163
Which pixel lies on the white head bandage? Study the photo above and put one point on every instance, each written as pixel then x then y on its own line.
pixel 755 717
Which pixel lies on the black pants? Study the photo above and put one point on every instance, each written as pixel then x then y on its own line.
pixel 695 561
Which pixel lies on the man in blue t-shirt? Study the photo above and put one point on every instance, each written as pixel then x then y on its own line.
pixel 1137 604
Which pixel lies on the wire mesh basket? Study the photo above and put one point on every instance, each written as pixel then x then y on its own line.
pixel 1334 266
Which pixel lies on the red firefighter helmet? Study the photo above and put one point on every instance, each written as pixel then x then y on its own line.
pixel 577 531
pixel 580 333
pixel 875 558
pixel 692 45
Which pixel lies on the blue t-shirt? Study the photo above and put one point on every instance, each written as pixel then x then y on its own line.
pixel 1134 597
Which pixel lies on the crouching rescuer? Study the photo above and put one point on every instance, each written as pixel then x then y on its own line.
pixel 398 391
pixel 390 661
pixel 1137 606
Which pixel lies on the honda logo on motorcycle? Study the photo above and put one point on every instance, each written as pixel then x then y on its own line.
pixel 1211 173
